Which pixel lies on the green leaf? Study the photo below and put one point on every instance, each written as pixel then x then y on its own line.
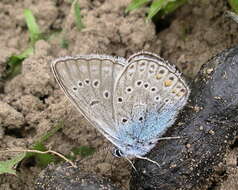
pixel 33 28
pixel 14 63
pixel 172 6
pixel 156 6
pixel 9 165
pixel 64 43
pixel 83 151
pixel 77 14
pixel 234 5
pixel 51 132
pixel 135 4
pixel 44 159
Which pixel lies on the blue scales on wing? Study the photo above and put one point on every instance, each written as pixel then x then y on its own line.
pixel 147 98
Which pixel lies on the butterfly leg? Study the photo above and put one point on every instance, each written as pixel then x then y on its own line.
pixel 145 158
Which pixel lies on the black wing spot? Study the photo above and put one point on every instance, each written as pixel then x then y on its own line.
pixel 80 84
pixel 119 99
pixel 95 83
pixel 94 102
pixel 153 89
pixel 139 82
pixel 156 98
pixel 146 85
pixel 128 89
pixel 162 71
pixel 87 81
pixel 171 78
pixel 106 94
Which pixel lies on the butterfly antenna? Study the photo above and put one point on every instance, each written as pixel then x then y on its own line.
pixel 168 138
pixel 131 163
pixel 145 158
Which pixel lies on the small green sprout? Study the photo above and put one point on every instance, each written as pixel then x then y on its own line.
pixel 14 62
pixel 163 7
pixel 77 14
pixel 234 5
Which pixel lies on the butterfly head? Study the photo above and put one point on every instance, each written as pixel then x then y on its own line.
pixel 131 151
pixel 118 153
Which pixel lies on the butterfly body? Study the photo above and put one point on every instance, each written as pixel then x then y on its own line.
pixel 131 102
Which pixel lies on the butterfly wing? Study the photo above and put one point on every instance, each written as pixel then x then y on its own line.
pixel 147 97
pixel 88 81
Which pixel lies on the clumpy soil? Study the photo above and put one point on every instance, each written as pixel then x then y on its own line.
pixel 32 103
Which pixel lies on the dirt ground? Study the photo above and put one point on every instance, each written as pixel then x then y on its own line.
pixel 32 103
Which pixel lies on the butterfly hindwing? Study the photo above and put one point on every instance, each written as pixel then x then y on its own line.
pixel 147 97
pixel 88 81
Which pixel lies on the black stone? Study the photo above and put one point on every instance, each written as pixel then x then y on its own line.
pixel 64 176
pixel 208 126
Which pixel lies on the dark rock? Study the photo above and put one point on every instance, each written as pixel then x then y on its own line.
pixel 66 177
pixel 208 126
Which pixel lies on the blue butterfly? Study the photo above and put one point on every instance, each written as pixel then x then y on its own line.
pixel 131 102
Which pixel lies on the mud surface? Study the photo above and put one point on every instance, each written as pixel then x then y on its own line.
pixel 32 103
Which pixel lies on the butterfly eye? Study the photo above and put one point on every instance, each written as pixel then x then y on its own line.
pixel 166 100
pixel 141 119
pixel 124 120
pixel 118 153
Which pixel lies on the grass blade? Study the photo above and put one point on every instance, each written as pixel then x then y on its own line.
pixel 234 5
pixel 172 6
pixel 156 6
pixel 135 4
pixel 33 28
pixel 14 63
pixel 78 18
pixel 9 165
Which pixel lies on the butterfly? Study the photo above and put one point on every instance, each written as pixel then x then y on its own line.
pixel 132 102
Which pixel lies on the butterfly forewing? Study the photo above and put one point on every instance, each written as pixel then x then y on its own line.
pixel 88 81
pixel 132 102
pixel 149 92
